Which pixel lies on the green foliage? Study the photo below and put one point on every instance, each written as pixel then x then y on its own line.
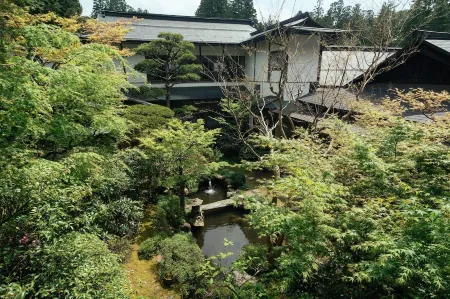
pixel 148 117
pixel 78 264
pixel 113 5
pixel 343 17
pixel 253 259
pixel 168 216
pixel 145 92
pixel 182 259
pixel 63 8
pixel 150 247
pixel 72 266
pixel 170 59
pixel 122 217
pixel 371 218
pixel 242 9
pixel 147 172
pixel 186 112
pixel 185 151
pixel 45 114
pixel 121 246
pixel 63 184
pixel 212 9
pixel 233 178
pixel 433 15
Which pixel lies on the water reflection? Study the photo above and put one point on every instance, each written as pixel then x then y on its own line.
pixel 219 193
pixel 227 224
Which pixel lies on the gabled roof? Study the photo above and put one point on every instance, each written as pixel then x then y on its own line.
pixel 300 24
pixel 303 18
pixel 435 45
pixel 334 98
pixel 340 65
pixel 442 45
pixel 193 29
pixel 212 31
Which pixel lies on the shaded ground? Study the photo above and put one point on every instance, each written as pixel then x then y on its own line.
pixel 142 274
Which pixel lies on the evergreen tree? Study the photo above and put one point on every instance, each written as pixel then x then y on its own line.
pixel 169 59
pixel 318 11
pixel 242 9
pixel 113 5
pixel 118 5
pixel 98 6
pixel 63 8
pixel 433 15
pixel 212 9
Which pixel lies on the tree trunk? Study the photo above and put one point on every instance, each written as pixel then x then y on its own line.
pixel 167 96
pixel 280 118
pixel 181 193
pixel 277 175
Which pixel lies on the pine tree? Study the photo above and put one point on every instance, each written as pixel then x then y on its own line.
pixel 169 59
pixel 212 9
pixel 242 9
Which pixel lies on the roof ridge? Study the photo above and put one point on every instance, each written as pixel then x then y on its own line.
pixel 184 27
pixel 175 17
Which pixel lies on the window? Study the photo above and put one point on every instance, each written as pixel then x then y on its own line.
pixel 257 89
pixel 218 67
pixel 277 59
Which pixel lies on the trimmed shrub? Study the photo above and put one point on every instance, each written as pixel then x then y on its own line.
pixel 182 259
pixel 146 92
pixel 122 217
pixel 233 178
pixel 150 247
pixel 148 117
pixel 168 216
pixel 186 112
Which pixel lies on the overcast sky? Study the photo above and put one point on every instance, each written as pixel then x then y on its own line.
pixel 188 7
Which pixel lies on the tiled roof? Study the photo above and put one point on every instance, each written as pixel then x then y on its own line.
pixel 339 67
pixel 440 43
pixel 328 97
pixel 420 118
pixel 196 30
pixel 296 27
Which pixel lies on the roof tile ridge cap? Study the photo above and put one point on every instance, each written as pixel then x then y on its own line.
pixel 168 17
pixel 165 26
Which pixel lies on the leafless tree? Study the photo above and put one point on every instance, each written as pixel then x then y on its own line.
pixel 365 54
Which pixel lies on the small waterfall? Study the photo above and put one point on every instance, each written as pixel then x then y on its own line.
pixel 210 188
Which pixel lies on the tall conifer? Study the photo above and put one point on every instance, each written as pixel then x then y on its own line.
pixel 242 9
pixel 212 9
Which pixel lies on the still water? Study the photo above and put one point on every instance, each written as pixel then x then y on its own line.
pixel 227 224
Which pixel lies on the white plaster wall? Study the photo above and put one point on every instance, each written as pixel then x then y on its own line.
pixel 303 53
pixel 207 50
pixel 137 78
pixel 303 64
